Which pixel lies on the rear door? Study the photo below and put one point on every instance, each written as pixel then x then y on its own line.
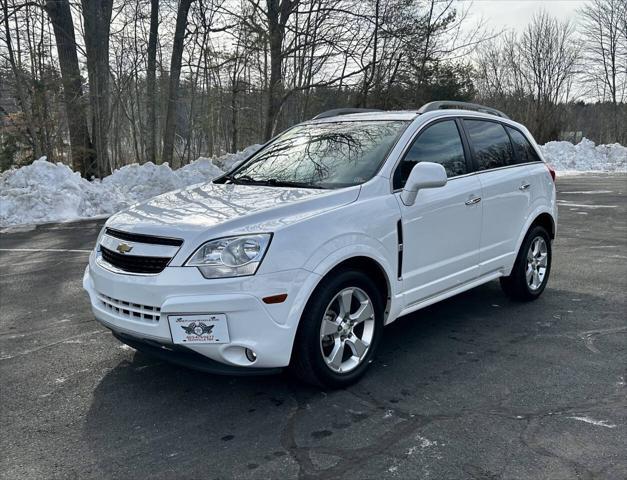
pixel 441 229
pixel 506 192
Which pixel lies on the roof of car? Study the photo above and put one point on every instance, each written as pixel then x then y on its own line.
pixel 377 115
pixel 404 115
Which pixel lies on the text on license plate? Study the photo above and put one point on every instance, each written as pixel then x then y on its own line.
pixel 198 329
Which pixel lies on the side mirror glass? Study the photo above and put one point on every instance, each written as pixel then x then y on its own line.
pixel 423 175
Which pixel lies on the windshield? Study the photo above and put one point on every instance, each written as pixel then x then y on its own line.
pixel 324 155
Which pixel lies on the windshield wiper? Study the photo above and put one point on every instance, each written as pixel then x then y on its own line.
pixel 271 182
pixel 226 178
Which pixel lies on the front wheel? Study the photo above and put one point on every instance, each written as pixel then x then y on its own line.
pixel 339 330
pixel 531 270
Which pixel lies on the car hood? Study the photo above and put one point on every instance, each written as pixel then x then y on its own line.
pixel 189 212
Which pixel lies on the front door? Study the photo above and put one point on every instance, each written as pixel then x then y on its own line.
pixel 442 229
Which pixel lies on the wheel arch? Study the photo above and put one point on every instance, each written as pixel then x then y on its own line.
pixel 372 268
pixel 361 253
pixel 359 262
pixel 545 220
pixel 541 216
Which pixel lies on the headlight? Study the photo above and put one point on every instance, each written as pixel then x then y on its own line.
pixel 230 256
pixel 100 235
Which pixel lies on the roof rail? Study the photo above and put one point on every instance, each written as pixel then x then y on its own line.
pixel 343 111
pixel 432 106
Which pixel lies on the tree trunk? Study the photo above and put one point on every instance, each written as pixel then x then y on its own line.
pixel 19 83
pixel 369 76
pixel 151 100
pixel 277 15
pixel 427 44
pixel 83 155
pixel 97 18
pixel 234 133
pixel 169 131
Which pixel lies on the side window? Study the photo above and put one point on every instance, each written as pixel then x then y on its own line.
pixel 490 142
pixel 524 151
pixel 439 143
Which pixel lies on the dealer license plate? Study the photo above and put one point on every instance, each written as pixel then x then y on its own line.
pixel 198 329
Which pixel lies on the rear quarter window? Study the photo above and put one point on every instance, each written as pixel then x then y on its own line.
pixel 490 144
pixel 525 153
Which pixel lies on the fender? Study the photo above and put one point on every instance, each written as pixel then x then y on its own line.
pixel 328 257
pixel 539 210
pixel 334 252
pixel 346 246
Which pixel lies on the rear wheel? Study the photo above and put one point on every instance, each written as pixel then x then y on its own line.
pixel 531 270
pixel 339 330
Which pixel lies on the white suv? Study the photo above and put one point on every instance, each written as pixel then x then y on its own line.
pixel 299 256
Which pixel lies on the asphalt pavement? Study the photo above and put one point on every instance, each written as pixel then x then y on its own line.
pixel 476 387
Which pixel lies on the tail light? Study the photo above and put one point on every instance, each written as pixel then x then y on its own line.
pixel 551 171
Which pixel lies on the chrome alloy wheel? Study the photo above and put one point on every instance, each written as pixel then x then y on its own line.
pixel 347 330
pixel 537 262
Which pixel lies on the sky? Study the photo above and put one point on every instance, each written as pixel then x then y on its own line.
pixel 516 14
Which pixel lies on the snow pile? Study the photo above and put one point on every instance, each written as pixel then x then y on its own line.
pixel 48 192
pixel 44 191
pixel 585 157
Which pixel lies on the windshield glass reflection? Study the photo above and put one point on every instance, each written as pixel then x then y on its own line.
pixel 326 155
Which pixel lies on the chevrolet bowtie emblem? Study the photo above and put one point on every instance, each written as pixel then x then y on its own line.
pixel 124 248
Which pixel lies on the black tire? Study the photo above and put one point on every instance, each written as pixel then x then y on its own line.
pixel 515 285
pixel 307 363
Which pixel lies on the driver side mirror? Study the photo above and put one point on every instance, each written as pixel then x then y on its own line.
pixel 423 175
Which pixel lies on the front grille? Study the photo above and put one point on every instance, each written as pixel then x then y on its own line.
pixel 134 263
pixel 141 238
pixel 130 310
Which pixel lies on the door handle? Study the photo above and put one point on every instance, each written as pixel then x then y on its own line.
pixel 524 186
pixel 473 201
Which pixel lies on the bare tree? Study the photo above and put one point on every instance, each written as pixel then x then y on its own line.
pixel 239 70
pixel 21 82
pixel 606 52
pixel 277 14
pixel 169 131
pixel 151 99
pixel 83 155
pixel 408 45
pixel 97 18
pixel 549 56
pixel 531 75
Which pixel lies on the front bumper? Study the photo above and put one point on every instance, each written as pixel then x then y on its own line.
pixel 138 306
pixel 185 357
